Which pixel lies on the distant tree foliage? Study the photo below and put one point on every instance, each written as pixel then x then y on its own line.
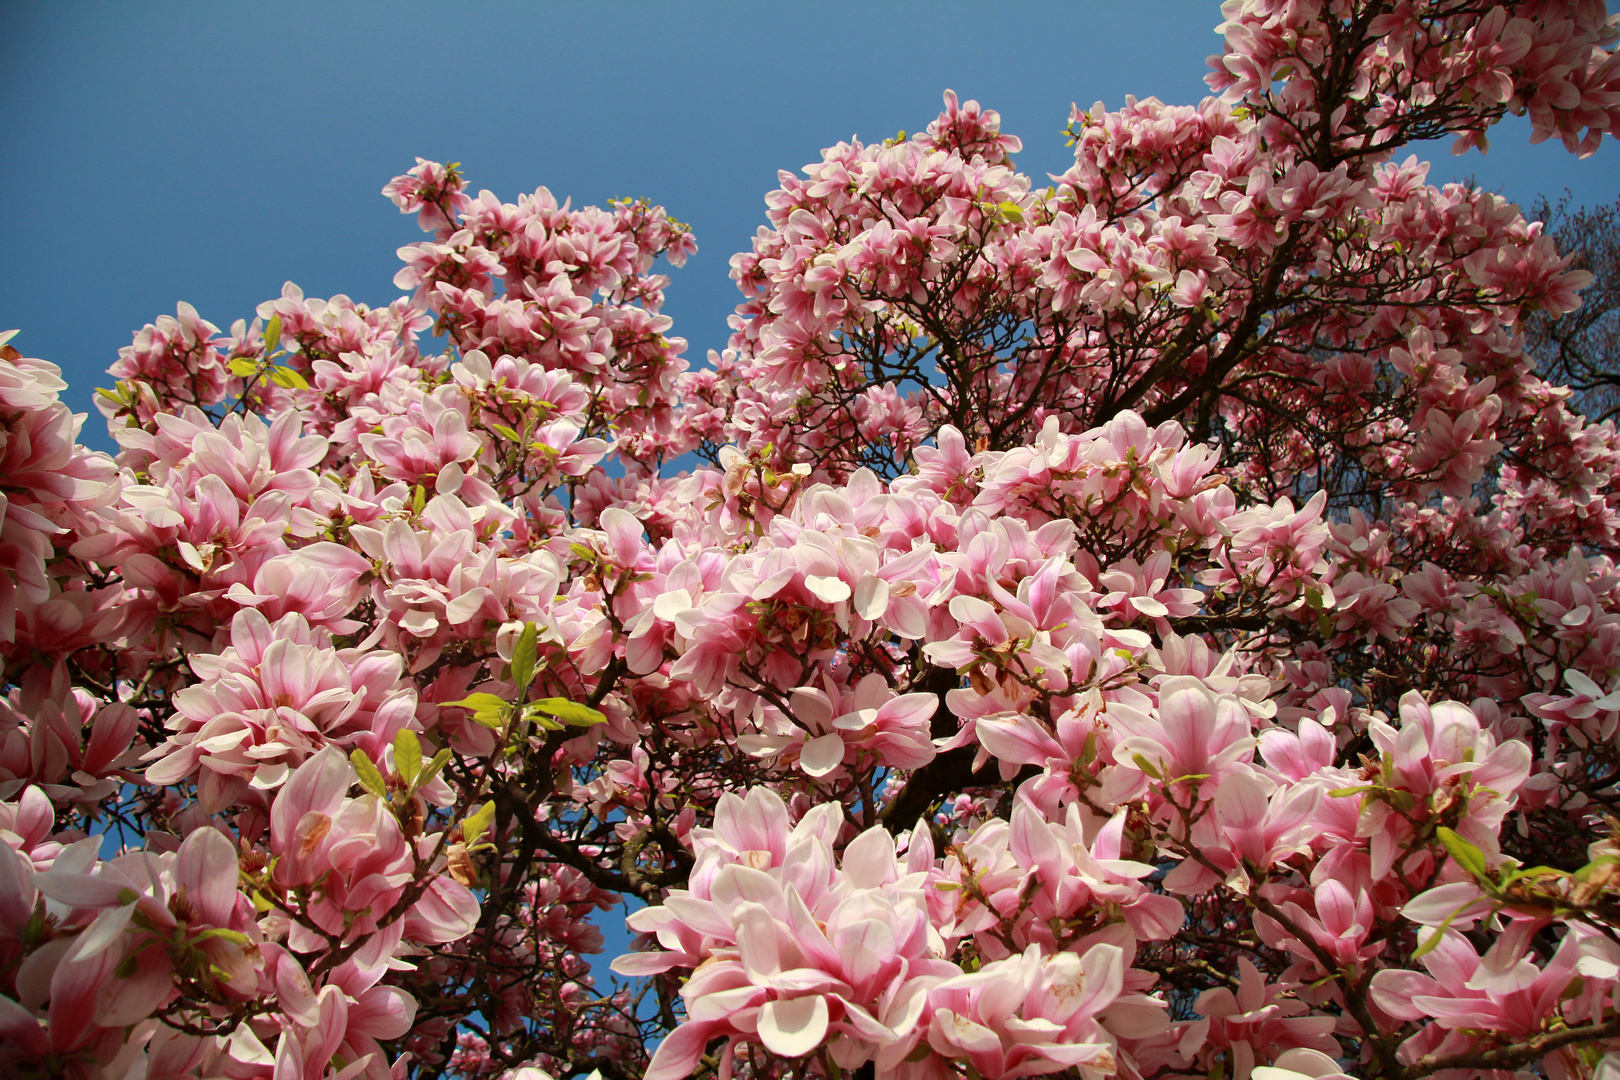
pixel 1582 348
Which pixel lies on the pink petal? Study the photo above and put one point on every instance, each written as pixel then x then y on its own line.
pixel 207 869
pixel 680 1051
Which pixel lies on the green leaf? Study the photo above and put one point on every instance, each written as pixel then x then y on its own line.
pixel 1586 873
pixel 1425 947
pixel 570 712
pixel 487 709
pixel 1147 766
pixel 418 499
pixel 478 701
pixel 1464 854
pixel 524 654
pixel 243 367
pixel 288 379
pixel 408 757
pixel 370 778
pixel 534 715
pixel 236 937
pixel 440 760
pixel 1011 211
pixel 272 334
pixel 1346 792
pixel 474 827
pixel 506 433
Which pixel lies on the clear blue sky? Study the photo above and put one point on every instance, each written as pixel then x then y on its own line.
pixel 163 151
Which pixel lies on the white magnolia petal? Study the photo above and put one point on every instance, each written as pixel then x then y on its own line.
pixel 822 755
pixel 872 597
pixel 672 603
pixel 794 1027
pixel 828 588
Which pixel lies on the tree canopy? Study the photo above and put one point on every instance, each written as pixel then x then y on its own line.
pixel 1163 622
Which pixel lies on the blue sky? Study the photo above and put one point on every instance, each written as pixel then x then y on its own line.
pixel 165 151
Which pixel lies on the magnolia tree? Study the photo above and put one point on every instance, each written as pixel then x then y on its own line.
pixel 1156 624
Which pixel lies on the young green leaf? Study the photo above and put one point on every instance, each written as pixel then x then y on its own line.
pixel 272 334
pixel 570 712
pixel 487 709
pixel 288 379
pixel 1147 766
pixel 534 714
pixel 476 702
pixel 1426 946
pixel 524 654
pixel 1464 854
pixel 477 823
pixel 370 778
pixel 408 757
pixel 440 760
pixel 243 367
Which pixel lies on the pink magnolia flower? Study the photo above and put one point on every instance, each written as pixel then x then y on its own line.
pixel 1029 1015
pixel 791 950
pixel 893 729
pixel 1505 992
pixel 1192 733
pixel 272 698
pixel 1441 755
pixel 1255 1024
